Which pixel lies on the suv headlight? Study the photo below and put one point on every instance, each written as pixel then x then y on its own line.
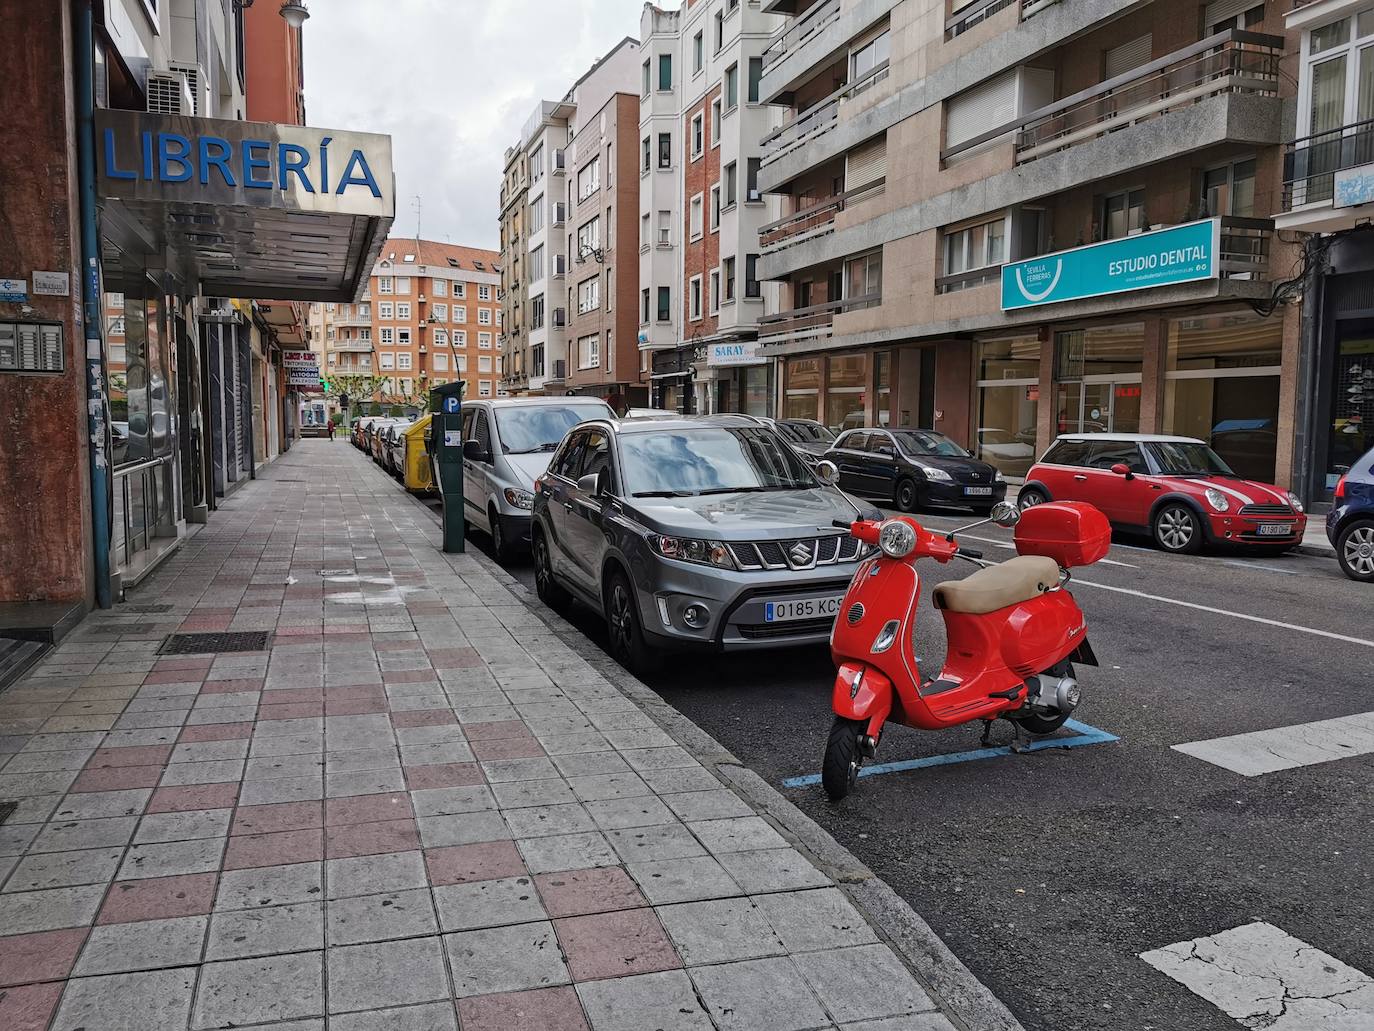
pixel 690 549
pixel 1217 499
pixel 519 498
pixel 1295 501
pixel 936 474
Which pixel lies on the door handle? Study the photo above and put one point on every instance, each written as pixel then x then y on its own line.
pixel 567 505
pixel 1080 476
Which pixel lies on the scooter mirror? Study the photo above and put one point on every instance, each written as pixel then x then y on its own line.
pixel 828 471
pixel 1004 513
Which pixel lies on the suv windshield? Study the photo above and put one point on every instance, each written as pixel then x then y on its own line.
pixel 1177 458
pixel 709 460
pixel 926 442
pixel 806 432
pixel 524 429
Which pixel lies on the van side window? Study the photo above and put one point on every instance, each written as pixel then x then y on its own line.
pixel 1067 452
pixel 481 432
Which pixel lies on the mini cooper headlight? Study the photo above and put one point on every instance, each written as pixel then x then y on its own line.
pixel 1217 499
pixel 1295 501
pixel 896 538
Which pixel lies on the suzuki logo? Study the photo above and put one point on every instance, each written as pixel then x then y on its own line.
pixel 800 553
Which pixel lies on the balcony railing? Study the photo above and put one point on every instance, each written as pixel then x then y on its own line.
pixel 818 119
pixel 1233 61
pixel 805 223
pixel 1245 247
pixel 973 14
pixel 796 33
pixel 1311 163
pixel 815 321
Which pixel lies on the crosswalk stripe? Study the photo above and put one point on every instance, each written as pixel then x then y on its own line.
pixel 1263 977
pixel 1286 748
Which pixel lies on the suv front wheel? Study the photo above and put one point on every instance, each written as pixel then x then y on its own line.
pixel 628 646
pixel 1355 550
pixel 550 592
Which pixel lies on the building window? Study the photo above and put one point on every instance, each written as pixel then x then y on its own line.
pixel 484 292
pixel 365 334
pixel 694 297
pixel 644 85
pixel 537 264
pixel 645 228
pixel 439 361
pixel 715 207
pixel 974 247
pixel 727 276
pixel 386 360
pixel 665 150
pixel 755 77
pixel 460 338
pixel 460 363
pixel 589 351
pixel 460 313
pixel 698 134
pixel 365 309
pixel 403 284
pixel 385 285
pixel 460 290
pixel 403 335
pixel 751 278
pixel 1122 213
pixel 388 335
pixel 440 338
pixel 715 122
pixel 1230 189
pixel 864 278
pixel 665 228
pixel 403 310
pixel 484 388
pixel 731 180
pixel 648 161
pixel 720 31
pixel 589 178
pixel 403 361
pixel 731 87
pixel 694 219
pixel 484 316
pixel 698 49
pixel 588 295
pixel 440 312
pixel 484 363
pixel 665 71
pixel 751 182
pixel 537 216
pixel 385 310
pixel 870 56
pixel 665 304
pixel 715 291
pixel 484 341
pixel 589 237
pixel 644 301
pixel 537 312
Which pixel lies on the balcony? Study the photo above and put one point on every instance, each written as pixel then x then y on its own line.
pixel 351 321
pixel 817 120
pixel 796 33
pixel 1227 63
pixel 808 223
pixel 351 346
pixel 814 322
pixel 1325 178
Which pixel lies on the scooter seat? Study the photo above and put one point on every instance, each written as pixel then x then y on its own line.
pixel 996 587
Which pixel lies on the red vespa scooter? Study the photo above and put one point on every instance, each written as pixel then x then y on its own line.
pixel 1013 628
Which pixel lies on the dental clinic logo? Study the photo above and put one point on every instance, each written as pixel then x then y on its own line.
pixel 1037 281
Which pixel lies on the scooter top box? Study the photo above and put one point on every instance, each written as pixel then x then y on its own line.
pixel 1073 533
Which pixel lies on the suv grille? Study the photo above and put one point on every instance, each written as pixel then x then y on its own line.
pixel 1266 510
pixel 802 553
pixel 764 631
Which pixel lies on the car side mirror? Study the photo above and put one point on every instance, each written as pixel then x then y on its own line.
pixel 593 484
pixel 474 452
pixel 1122 469
pixel 1004 513
pixel 828 471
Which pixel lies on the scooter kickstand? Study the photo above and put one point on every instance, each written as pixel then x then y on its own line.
pixel 1020 742
pixel 986 740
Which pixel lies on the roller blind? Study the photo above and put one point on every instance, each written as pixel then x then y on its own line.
pixel 1225 10
pixel 1129 55
pixel 986 106
pixel 866 164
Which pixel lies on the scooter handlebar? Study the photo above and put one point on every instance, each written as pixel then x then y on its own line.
pixel 969 553
pixel 843 524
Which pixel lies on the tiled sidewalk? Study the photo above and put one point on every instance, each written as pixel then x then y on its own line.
pixel 417 810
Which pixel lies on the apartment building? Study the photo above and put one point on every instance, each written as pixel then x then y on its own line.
pixel 1328 187
pixel 1008 219
pixel 701 212
pixel 569 195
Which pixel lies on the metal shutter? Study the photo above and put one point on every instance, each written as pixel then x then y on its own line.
pixel 866 165
pixel 1225 10
pixel 1129 55
pixel 986 106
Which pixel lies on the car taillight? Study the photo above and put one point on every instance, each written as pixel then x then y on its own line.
pixel 1340 488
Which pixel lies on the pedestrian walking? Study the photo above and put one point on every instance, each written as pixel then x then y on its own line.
pixel 330 427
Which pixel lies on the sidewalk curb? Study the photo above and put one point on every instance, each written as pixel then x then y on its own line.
pixel 969 1004
pixel 1320 550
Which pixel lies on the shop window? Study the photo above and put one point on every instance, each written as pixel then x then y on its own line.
pixel 803 382
pixel 1008 403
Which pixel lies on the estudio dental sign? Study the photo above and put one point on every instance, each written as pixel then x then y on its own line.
pixel 152 157
pixel 1179 254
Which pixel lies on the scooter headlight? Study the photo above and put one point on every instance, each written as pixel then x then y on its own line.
pixel 896 538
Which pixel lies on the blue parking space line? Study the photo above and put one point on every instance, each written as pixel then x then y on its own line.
pixel 1083 735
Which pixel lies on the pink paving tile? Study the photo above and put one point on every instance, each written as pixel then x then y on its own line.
pixel 284 695
pixel 42 956
pixel 158 898
pixel 298 631
pixel 355 692
pixel 383 645
pixel 455 658
pixel 185 662
pixel 291 711
pixel 548 1009
pixel 141 755
pixel 345 628
pixel 233 686
pixel 276 817
pixel 394 805
pixel 615 944
pixel 251 850
pixel 353 706
pixel 346 637
pixel 117 778
pixel 497 729
pixel 485 862
pixel 507 748
pixel 219 623
pixel 216 732
pixel 29 1008
pixel 370 839
pixel 175 676
pixel 210 610
pixel 183 798
pixel 410 676
pixel 580 892
pixel 423 718
pixel 444 775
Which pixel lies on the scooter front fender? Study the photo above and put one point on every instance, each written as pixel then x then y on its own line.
pixel 862 693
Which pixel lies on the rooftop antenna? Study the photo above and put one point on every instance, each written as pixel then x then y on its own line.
pixel 416 206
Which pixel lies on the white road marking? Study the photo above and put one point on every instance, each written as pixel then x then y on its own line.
pixel 1329 635
pixel 1012 547
pixel 1285 748
pixel 1263 977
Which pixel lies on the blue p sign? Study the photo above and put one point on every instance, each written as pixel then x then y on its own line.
pixel 451 405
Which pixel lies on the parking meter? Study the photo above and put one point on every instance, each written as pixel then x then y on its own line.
pixel 446 406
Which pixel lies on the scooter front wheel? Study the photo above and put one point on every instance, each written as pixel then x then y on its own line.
pixel 842 757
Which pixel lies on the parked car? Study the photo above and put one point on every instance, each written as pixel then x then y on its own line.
pixel 1013 453
pixel 809 447
pixel 506 444
pixel 1350 523
pixel 358 431
pixel 650 413
pixel 706 532
pixel 915 469
pixel 1177 489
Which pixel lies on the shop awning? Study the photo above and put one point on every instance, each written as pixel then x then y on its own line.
pixel 247 209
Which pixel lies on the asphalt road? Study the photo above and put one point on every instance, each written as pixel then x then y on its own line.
pixel 1049 873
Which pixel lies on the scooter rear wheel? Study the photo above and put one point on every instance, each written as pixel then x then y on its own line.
pixel 842 757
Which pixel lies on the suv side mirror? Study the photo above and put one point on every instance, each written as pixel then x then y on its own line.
pixel 1122 469
pixel 828 471
pixel 474 452
pixel 1004 513
pixel 593 484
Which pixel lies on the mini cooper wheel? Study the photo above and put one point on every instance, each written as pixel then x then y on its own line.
pixel 842 757
pixel 1029 498
pixel 628 646
pixel 1177 529
pixel 907 496
pixel 550 592
pixel 1355 551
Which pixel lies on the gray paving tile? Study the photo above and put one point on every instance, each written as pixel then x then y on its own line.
pixel 707 805
pixel 429 1016
pixel 363 782
pixel 865 982
pixel 157 1000
pixel 915 1022
pixel 94 805
pixel 821 918
pixel 266 931
pixel 774 869
pixel 643 844
pixel 719 931
pixel 283 789
pixel 758 995
pixel 200 823
pixel 142 945
pixel 665 1001
pixel 737 834
pixel 610 785
pixel 374 918
pixel 500 771
pixel 462 829
pixel 522 793
pixel 505 959
pixel 384 974
pixel 368 875
pixel 270 886
pixel 692 879
pixel 638 811
pixel 50 909
pixel 255 991
pixel 219 771
pixel 64 869
pixel 566 852
pixel 169 859
pixel 509 900
pixel 448 801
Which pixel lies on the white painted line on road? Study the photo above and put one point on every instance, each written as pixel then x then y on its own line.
pixel 1012 547
pixel 1329 635
pixel 1263 977
pixel 1286 748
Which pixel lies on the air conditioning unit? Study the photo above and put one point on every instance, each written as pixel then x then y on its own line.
pixel 171 93
pixel 560 368
pixel 560 317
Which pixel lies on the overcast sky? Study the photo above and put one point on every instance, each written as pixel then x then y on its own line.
pixel 452 82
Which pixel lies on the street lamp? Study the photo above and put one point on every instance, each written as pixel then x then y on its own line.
pixel 295 13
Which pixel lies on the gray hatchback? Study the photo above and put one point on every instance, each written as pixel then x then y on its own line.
pixel 706 532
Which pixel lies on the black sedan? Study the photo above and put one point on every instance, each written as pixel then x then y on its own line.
pixel 915 468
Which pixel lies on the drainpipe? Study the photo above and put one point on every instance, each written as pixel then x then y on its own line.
pixel 92 316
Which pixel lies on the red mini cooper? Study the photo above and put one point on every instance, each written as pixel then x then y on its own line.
pixel 1177 489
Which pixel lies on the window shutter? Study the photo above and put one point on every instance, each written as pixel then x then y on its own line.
pixel 1129 55
pixel 866 165
pixel 986 106
pixel 1225 10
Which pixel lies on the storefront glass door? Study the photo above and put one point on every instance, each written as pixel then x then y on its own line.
pixel 1100 407
pixel 1352 405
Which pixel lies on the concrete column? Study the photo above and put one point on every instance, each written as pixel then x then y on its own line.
pixel 1047 413
pixel 1154 361
pixel 1285 453
pixel 954 390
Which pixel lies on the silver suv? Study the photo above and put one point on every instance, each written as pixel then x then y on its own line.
pixel 506 444
pixel 706 532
